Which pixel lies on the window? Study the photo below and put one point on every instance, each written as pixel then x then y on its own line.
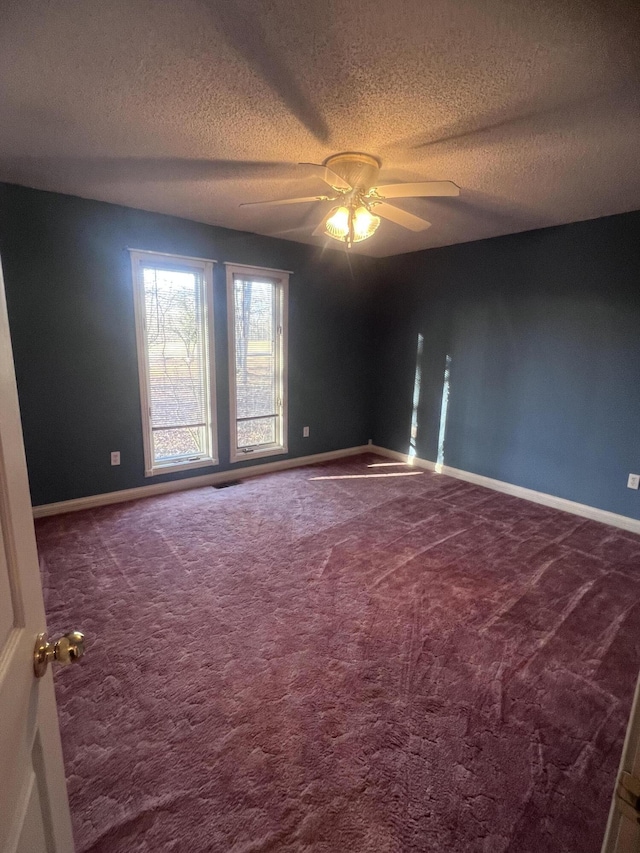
pixel 174 321
pixel 257 306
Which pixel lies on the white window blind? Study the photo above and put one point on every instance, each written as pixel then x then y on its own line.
pixel 257 321
pixel 173 308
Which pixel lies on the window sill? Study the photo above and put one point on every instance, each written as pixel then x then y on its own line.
pixel 258 453
pixel 169 467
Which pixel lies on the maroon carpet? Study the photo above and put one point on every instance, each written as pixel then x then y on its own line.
pixel 352 657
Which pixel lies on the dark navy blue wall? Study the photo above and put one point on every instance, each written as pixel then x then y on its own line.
pixel 543 332
pixel 68 283
pixel 542 328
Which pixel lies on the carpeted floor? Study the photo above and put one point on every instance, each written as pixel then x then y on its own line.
pixel 350 657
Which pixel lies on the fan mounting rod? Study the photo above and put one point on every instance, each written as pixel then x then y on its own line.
pixel 359 170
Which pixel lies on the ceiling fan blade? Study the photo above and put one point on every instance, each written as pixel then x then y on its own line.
pixel 328 176
pixel 400 217
pixel 319 230
pixel 420 189
pixel 285 201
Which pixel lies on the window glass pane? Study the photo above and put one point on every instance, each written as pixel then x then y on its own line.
pixel 172 308
pixel 168 443
pixel 258 360
pixel 262 431
pixel 176 346
pixel 255 336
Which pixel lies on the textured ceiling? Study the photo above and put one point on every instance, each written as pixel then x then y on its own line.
pixel 190 107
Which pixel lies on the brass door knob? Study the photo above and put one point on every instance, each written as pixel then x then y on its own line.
pixel 67 649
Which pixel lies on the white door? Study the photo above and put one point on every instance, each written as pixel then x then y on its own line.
pixel 34 811
pixel 623 828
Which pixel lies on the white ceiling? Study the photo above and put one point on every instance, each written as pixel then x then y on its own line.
pixel 190 107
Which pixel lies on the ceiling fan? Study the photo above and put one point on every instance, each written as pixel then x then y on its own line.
pixel 361 202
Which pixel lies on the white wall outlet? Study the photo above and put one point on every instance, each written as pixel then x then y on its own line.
pixel 115 457
pixel 305 432
pixel 634 481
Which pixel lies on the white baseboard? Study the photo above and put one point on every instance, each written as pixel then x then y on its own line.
pixel 192 482
pixel 584 510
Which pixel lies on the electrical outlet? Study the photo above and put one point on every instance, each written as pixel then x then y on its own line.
pixel 305 432
pixel 634 481
pixel 115 457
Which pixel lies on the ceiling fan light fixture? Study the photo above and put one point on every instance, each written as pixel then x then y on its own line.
pixel 337 223
pixel 351 225
pixel 365 224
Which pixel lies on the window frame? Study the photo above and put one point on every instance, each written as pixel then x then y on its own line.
pixel 280 278
pixel 203 266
